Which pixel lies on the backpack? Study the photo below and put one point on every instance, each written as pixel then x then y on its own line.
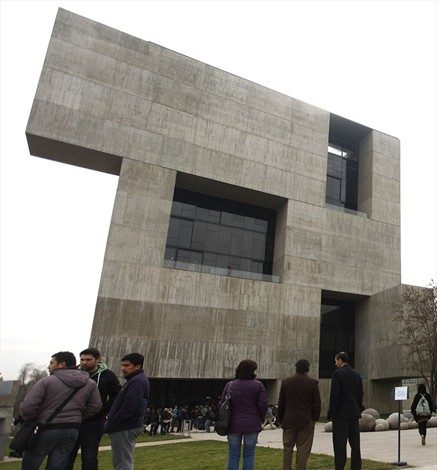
pixel 422 408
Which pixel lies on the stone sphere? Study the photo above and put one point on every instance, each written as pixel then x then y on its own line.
pixel 372 412
pixel 382 423
pixel 328 426
pixel 367 423
pixel 405 425
pixel 393 420
pixel 407 414
pixel 412 424
pixel 432 423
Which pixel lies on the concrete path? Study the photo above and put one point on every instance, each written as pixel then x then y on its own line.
pixel 379 446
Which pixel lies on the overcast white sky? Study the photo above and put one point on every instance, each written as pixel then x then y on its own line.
pixel 373 62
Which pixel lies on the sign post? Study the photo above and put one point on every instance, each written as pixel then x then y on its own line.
pixel 400 394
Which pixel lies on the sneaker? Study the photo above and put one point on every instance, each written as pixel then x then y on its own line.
pixel 423 440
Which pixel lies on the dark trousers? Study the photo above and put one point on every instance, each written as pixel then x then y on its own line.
pixel 88 441
pixel 303 439
pixel 344 431
pixel 422 426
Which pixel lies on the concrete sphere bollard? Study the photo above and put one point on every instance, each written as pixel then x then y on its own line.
pixel 412 424
pixel 407 414
pixel 367 423
pixel 405 425
pixel 328 426
pixel 382 425
pixel 432 423
pixel 372 412
pixel 393 420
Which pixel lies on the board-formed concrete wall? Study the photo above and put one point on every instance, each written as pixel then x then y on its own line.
pixel 115 103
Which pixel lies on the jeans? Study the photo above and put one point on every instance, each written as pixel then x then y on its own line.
pixel 123 445
pixel 88 441
pixel 57 444
pixel 234 446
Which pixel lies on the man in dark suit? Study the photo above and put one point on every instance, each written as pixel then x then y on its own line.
pixel 298 410
pixel 345 407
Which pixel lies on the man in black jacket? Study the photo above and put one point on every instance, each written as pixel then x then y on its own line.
pixel 345 407
pixel 91 429
pixel 125 419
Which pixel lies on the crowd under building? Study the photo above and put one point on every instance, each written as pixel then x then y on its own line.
pixel 246 223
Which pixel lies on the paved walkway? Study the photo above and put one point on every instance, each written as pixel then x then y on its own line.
pixel 379 446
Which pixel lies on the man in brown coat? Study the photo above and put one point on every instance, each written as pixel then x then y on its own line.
pixel 298 410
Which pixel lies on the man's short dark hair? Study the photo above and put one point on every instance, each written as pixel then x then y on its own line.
pixel 302 366
pixel 91 352
pixel 134 358
pixel 65 356
pixel 343 356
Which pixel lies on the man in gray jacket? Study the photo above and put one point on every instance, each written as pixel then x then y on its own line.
pixel 58 438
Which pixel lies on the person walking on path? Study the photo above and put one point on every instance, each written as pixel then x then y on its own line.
pixel 298 411
pixel 125 419
pixel 421 408
pixel 345 408
pixel 58 438
pixel 248 406
pixel 91 429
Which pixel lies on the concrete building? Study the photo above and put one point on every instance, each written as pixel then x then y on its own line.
pixel 247 224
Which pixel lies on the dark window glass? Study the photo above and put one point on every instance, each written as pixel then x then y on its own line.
pixel 337 333
pixel 342 177
pixel 222 233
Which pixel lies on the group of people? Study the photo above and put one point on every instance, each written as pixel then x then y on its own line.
pixel 298 411
pixel 75 405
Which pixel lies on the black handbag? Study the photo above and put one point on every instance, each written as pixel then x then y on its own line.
pixel 28 433
pixel 223 419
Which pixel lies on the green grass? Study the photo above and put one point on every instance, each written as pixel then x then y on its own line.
pixel 207 455
pixel 146 438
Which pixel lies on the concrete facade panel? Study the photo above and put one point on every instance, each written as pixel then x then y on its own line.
pixel 115 103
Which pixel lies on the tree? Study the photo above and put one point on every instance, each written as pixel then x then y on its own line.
pixel 28 376
pixel 416 313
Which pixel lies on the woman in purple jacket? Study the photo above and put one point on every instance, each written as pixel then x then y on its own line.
pixel 248 408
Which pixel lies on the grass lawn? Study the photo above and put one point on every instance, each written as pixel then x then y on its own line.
pixel 146 438
pixel 207 455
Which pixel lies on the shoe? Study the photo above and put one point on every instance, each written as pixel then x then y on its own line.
pixel 423 440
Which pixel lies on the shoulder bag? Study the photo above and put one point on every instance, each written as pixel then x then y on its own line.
pixel 223 419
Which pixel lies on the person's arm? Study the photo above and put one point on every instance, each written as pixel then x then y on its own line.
pixel 262 402
pixel 31 405
pixel 414 405
pixel 94 402
pixel 114 388
pixel 432 407
pixel 334 397
pixel 316 403
pixel 281 405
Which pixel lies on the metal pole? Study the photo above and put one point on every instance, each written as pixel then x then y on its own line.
pixel 399 463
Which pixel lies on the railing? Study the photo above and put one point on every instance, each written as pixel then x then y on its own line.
pixel 344 209
pixel 201 268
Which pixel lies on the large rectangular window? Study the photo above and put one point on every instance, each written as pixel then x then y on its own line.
pixel 342 177
pixel 220 233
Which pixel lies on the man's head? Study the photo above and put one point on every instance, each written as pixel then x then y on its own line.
pixel 341 359
pixel 62 360
pixel 302 366
pixel 89 359
pixel 130 363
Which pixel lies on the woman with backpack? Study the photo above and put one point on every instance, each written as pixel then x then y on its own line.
pixel 422 407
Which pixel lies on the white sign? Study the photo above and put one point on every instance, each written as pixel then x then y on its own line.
pixel 401 393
